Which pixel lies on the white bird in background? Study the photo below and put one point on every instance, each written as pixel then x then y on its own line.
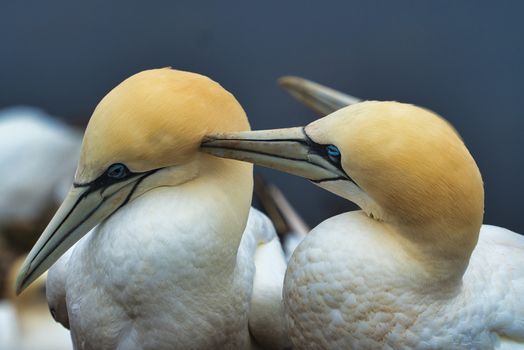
pixel 172 262
pixel 38 156
pixel 28 188
pixel 415 268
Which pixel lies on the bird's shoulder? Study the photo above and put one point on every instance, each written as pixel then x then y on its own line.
pixel 495 279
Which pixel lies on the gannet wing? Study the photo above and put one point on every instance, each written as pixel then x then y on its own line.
pixel 500 256
pixel 266 314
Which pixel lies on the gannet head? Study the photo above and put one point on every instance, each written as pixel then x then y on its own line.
pixel 402 164
pixel 145 133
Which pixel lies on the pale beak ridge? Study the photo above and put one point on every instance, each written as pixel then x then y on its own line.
pixel 288 150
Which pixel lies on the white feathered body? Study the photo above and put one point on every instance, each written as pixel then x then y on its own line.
pixel 350 284
pixel 163 273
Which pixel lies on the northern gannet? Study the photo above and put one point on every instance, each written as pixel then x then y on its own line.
pixel 172 261
pixel 415 268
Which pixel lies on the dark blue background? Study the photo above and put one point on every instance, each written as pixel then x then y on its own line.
pixel 463 59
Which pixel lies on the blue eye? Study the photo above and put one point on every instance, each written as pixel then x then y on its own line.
pixel 333 151
pixel 117 171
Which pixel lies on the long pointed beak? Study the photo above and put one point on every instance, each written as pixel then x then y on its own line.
pixel 83 208
pixel 319 98
pixel 288 150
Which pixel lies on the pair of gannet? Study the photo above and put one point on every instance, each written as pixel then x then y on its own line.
pixel 415 268
pixel 172 261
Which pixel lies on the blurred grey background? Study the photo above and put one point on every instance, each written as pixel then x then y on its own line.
pixel 462 59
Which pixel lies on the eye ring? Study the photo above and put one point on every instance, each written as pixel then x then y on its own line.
pixel 333 152
pixel 117 171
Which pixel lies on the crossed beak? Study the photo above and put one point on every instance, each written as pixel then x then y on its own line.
pixel 288 150
pixel 83 208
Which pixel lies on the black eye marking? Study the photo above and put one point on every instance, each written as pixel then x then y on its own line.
pixel 117 171
pixel 329 152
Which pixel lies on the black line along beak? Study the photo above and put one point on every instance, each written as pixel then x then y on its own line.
pixel 288 150
pixel 83 208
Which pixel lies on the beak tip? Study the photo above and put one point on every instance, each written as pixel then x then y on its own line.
pixel 21 279
pixel 19 284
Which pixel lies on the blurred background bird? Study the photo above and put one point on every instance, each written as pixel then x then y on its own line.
pixel 25 319
pixel 38 155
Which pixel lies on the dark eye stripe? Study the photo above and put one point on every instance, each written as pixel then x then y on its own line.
pixel 323 150
pixel 115 173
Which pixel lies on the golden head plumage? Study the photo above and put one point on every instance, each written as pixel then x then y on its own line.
pixel 145 133
pixel 408 159
pixel 154 119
